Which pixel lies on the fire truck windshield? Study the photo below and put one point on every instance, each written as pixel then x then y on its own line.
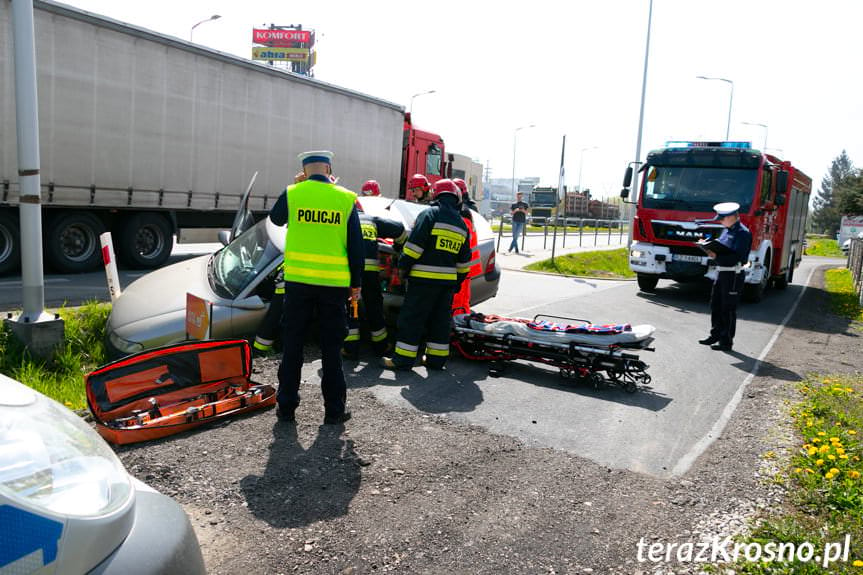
pixel 697 189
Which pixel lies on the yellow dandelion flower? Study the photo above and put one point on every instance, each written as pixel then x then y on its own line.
pixel 843 456
pixel 834 439
pixel 822 433
pixel 849 390
pixel 840 451
pixel 812 451
pixel 828 475
pixel 824 449
pixel 831 457
pixel 67 403
pixel 854 474
pixel 852 432
pixel 797 470
pixel 807 470
pixel 834 471
pixel 819 462
pixel 816 440
pixel 857 563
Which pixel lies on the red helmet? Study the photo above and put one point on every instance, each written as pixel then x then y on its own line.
pixel 445 186
pixel 461 185
pixel 419 181
pixel 371 188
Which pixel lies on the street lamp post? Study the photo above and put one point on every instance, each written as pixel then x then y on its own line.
pixel 764 147
pixel 730 100
pixel 514 133
pixel 192 30
pixel 581 164
pixel 411 107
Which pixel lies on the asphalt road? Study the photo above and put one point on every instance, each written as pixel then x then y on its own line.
pixel 658 430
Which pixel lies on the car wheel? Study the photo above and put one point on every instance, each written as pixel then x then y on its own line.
pixel 10 243
pixel 72 244
pixel 146 240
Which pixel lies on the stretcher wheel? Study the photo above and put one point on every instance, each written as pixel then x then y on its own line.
pixel 595 379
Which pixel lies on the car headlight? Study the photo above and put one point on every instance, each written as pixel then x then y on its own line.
pixel 51 459
pixel 637 253
pixel 124 345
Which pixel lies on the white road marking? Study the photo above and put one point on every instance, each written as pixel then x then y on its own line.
pixel 700 446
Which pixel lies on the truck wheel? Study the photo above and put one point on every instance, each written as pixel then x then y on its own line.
pixel 10 243
pixel 754 293
pixel 647 283
pixel 72 243
pixel 787 277
pixel 146 240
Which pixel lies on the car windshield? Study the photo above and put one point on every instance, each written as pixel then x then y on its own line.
pixel 697 189
pixel 237 264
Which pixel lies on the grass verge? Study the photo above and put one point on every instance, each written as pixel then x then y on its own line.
pixel 825 475
pixel 613 264
pixel 62 378
pixel 843 299
pixel 826 247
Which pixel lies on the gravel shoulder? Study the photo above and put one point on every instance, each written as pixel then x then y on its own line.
pixel 396 490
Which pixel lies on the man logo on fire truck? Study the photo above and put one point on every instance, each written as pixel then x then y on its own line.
pixel 682 183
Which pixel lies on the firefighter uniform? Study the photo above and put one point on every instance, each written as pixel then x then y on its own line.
pixel 435 259
pixel 373 227
pixel 323 258
pixel 268 330
pixel 461 298
pixel 737 241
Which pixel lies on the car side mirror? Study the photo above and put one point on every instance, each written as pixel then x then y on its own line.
pixel 250 303
pixel 225 237
pixel 627 178
pixel 624 193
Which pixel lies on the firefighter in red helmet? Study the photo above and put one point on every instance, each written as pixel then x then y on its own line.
pixel 461 298
pixel 418 189
pixel 435 260
pixel 371 188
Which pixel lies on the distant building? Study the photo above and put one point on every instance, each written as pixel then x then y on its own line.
pixel 468 170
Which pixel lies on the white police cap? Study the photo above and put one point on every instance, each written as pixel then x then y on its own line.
pixel 726 209
pixel 316 156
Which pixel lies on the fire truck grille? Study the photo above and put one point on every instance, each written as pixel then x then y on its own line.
pixel 666 231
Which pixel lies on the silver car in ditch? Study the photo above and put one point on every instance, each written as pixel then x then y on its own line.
pixel 238 280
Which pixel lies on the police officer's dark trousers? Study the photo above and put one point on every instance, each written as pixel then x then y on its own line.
pixel 723 306
pixel 301 303
pixel 426 310
pixel 372 307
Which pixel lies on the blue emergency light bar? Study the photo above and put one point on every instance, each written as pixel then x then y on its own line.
pixel 737 145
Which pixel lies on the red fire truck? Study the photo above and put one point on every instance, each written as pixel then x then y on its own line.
pixel 680 185
pixel 422 153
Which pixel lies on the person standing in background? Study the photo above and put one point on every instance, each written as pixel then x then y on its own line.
pixel 519 220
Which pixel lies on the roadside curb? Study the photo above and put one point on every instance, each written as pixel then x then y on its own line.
pixel 567 275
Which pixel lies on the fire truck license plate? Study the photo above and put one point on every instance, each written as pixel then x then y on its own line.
pixel 685 258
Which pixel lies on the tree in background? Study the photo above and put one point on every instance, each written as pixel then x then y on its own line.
pixel 827 213
pixel 850 196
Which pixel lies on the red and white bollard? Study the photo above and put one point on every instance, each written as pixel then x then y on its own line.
pixel 110 266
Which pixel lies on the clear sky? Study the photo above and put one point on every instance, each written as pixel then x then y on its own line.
pixel 573 68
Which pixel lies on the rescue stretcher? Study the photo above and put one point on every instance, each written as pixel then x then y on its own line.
pixel 168 390
pixel 594 354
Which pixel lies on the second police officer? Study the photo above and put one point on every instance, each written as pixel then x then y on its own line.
pixel 733 245
pixel 435 260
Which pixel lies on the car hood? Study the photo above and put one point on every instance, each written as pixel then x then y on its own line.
pixel 161 292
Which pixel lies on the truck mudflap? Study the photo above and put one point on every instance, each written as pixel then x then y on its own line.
pixel 172 389
pixel 583 351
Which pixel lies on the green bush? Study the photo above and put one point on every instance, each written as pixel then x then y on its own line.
pixel 613 264
pixel 62 378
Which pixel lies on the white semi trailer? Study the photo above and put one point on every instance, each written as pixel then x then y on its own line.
pixel 145 134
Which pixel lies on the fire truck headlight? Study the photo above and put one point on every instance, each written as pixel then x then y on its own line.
pixel 51 459
pixel 637 254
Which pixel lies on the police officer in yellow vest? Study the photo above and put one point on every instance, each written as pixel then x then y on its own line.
pixel 323 268
pixel 435 259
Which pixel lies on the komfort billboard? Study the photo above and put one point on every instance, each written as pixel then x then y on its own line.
pixel 285 44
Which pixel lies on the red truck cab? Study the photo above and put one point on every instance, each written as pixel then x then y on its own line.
pixel 682 182
pixel 422 153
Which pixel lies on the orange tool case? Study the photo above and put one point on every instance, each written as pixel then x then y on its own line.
pixel 172 389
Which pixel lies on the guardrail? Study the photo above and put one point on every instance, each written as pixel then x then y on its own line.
pixel 855 264
pixel 560 226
